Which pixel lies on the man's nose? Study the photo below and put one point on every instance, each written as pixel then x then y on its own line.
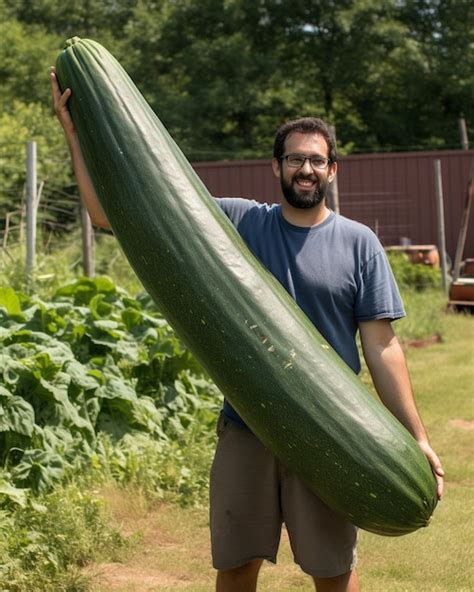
pixel 306 167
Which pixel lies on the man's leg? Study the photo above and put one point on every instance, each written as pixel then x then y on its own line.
pixel 245 514
pixel 323 542
pixel 239 579
pixel 348 582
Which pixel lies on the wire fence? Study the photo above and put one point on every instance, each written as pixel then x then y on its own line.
pixel 56 211
pixel 34 211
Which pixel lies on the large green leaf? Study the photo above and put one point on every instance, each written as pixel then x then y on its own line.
pixel 118 389
pixel 40 469
pixel 10 302
pixel 14 494
pixel 81 375
pixel 16 414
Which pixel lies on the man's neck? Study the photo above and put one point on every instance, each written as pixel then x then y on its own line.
pixel 305 217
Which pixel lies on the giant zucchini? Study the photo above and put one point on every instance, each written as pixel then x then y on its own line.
pixel 265 355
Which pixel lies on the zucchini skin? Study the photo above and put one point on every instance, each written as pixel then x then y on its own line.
pixel 285 381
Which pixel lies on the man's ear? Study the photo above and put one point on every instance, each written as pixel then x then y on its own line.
pixel 332 171
pixel 276 167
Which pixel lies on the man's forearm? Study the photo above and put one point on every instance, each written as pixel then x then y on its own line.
pixel 388 369
pixel 85 185
pixel 387 365
pixel 389 372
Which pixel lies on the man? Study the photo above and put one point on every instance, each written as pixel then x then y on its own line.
pixel 337 271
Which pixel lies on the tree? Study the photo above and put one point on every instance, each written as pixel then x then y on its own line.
pixel 444 33
pixel 24 123
pixel 224 74
pixel 26 52
pixel 88 18
pixel 199 66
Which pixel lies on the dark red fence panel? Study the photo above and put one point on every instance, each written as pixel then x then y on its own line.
pixel 392 193
pixel 252 179
pixel 395 195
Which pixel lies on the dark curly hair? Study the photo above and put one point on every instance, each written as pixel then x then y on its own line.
pixel 304 125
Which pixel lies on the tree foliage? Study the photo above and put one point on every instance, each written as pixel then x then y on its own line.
pixel 224 74
pixel 23 123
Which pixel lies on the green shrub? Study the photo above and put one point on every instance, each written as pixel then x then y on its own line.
pixel 414 275
pixel 94 386
pixel 91 362
pixel 44 545
pixel 424 301
pixel 176 471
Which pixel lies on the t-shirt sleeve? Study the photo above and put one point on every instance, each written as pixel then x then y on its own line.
pixel 235 208
pixel 378 296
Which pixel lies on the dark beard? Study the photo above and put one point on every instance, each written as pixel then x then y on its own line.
pixel 304 200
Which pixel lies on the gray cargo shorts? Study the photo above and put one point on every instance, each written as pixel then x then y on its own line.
pixel 252 495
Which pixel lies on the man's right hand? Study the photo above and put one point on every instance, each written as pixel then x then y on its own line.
pixel 60 104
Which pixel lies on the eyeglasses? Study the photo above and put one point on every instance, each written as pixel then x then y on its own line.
pixel 296 161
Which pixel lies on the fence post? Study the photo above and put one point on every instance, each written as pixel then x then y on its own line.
pixel 87 243
pixel 463 134
pixel 31 202
pixel 440 220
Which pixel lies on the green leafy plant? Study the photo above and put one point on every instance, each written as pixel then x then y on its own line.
pixel 414 275
pixel 92 364
pixel 45 544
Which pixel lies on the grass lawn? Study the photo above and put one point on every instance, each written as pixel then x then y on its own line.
pixel 172 548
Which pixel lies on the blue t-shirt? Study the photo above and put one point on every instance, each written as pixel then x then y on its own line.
pixel 336 271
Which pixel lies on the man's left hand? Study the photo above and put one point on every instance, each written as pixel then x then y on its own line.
pixel 435 463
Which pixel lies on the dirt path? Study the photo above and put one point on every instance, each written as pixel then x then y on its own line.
pixel 159 555
pixel 170 551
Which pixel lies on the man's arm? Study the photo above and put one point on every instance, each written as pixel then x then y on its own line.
pixel 84 182
pixel 388 369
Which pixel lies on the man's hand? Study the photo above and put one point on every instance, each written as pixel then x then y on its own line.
pixel 435 465
pixel 60 104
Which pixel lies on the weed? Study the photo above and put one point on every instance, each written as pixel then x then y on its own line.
pixel 413 276
pixel 45 544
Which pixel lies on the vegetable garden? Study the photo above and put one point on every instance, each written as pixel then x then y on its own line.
pixel 96 388
pixel 90 368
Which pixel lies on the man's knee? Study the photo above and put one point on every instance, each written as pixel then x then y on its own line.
pixel 348 582
pixel 242 578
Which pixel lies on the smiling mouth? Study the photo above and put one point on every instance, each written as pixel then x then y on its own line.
pixel 305 183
